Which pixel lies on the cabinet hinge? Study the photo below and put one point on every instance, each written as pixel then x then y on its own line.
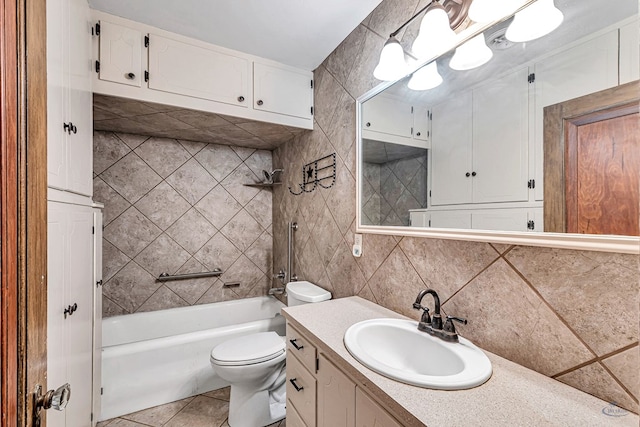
pixel 311 84
pixel 531 225
pixel 101 391
pixel 430 115
pixel 411 128
pixel 412 110
pixel 91 416
pixel 428 134
pixel 429 193
pixel 146 41
pixel 97 27
pixel 146 76
pixel 97 66
pixel 531 183
pixel 93 230
pixel 531 78
pixel 312 111
pixel 429 223
pixel 98 283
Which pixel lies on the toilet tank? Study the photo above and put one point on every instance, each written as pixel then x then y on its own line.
pixel 304 292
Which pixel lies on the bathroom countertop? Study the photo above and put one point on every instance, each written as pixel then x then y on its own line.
pixel 514 395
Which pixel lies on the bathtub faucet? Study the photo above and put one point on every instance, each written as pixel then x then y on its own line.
pixel 276 291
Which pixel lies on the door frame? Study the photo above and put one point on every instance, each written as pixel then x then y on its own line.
pixel 557 119
pixel 23 198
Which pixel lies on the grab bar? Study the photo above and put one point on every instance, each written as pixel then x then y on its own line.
pixel 165 277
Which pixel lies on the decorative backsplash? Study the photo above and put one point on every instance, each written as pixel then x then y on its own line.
pixel 571 315
pixel 174 206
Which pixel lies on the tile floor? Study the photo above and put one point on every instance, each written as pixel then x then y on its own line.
pixel 205 410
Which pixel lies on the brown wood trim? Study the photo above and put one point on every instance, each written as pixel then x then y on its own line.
pixel 556 119
pixel 9 212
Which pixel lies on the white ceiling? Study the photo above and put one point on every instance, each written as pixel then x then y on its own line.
pixel 300 33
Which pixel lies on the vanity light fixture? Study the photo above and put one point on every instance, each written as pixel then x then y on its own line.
pixel 537 20
pixel 434 26
pixel 472 54
pixel 392 65
pixel 425 78
pixel 491 10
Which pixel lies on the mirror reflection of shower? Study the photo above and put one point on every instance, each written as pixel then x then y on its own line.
pixel 271 177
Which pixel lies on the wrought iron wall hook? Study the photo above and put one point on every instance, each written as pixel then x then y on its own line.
pixel 317 172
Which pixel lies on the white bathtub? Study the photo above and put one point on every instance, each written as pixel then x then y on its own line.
pixel 153 358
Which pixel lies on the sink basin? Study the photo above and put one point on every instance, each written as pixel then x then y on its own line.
pixel 396 349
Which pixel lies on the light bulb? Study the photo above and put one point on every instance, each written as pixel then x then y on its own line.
pixel 392 65
pixel 492 10
pixel 537 20
pixel 435 33
pixel 471 54
pixel 425 78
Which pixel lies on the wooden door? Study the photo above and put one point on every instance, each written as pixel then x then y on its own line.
pixel 561 122
pixel 603 171
pixel 23 192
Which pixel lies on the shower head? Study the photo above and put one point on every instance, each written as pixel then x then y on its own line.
pixel 269 177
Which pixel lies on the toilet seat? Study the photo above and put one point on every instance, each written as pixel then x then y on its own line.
pixel 248 349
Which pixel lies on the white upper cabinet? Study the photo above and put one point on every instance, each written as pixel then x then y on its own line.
pixel 387 115
pixel 581 70
pixel 201 72
pixel 500 132
pixel 451 156
pixel 629 52
pixel 421 123
pixel 137 61
pixel 283 90
pixel 69 103
pixel 120 54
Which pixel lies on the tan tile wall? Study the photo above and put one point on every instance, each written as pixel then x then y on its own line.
pixel 174 206
pixel 571 315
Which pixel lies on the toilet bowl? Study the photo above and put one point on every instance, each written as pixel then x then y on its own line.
pixel 254 365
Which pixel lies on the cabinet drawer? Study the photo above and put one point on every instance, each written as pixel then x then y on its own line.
pixel 293 418
pixel 303 398
pixel 301 348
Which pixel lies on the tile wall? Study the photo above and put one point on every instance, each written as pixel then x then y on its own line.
pixel 174 206
pixel 571 315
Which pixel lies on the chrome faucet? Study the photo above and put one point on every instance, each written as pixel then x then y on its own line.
pixel 433 324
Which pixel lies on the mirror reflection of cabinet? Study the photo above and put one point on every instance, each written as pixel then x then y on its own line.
pixel 475 131
pixel 389 119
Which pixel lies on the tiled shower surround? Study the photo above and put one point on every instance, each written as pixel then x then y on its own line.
pixel 174 206
pixel 571 315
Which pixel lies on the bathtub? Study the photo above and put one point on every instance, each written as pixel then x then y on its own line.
pixel 154 358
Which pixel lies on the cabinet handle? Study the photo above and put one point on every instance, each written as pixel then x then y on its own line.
pixel 259 102
pixel 296 386
pixel 368 124
pixel 241 99
pixel 467 174
pixel 473 174
pixel 74 129
pixel 418 134
pixel 70 310
pixel 130 76
pixel 296 346
pixel 67 127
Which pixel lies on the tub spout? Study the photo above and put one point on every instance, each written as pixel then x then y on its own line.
pixel 276 291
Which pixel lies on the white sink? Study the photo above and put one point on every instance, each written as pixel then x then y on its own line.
pixel 396 349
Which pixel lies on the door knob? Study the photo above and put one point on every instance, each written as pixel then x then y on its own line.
pixel 56 399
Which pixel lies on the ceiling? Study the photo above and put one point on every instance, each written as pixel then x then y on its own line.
pixel 299 33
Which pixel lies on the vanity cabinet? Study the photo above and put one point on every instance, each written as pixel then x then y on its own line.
pixel 471 132
pixel 134 60
pixel 319 394
pixel 69 98
pixel 504 219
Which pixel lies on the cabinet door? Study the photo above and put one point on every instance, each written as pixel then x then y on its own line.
pixel 501 139
pixel 451 219
pixel 501 219
pixel 589 67
pixel 421 121
pixel 336 396
pixel 629 53
pixel 387 115
pixel 283 91
pixel 419 219
pixel 57 271
pixel 120 54
pixel 80 107
pixel 451 151
pixel 370 414
pixel 79 325
pixel 191 70
pixel 57 51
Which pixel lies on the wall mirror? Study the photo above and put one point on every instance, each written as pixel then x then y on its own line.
pixel 537 146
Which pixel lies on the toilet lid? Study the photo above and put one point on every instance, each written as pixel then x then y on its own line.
pixel 248 349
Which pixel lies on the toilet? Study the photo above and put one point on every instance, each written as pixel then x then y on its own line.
pixel 254 365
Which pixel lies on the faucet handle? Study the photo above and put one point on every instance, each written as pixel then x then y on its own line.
pixel 448 325
pixel 425 313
